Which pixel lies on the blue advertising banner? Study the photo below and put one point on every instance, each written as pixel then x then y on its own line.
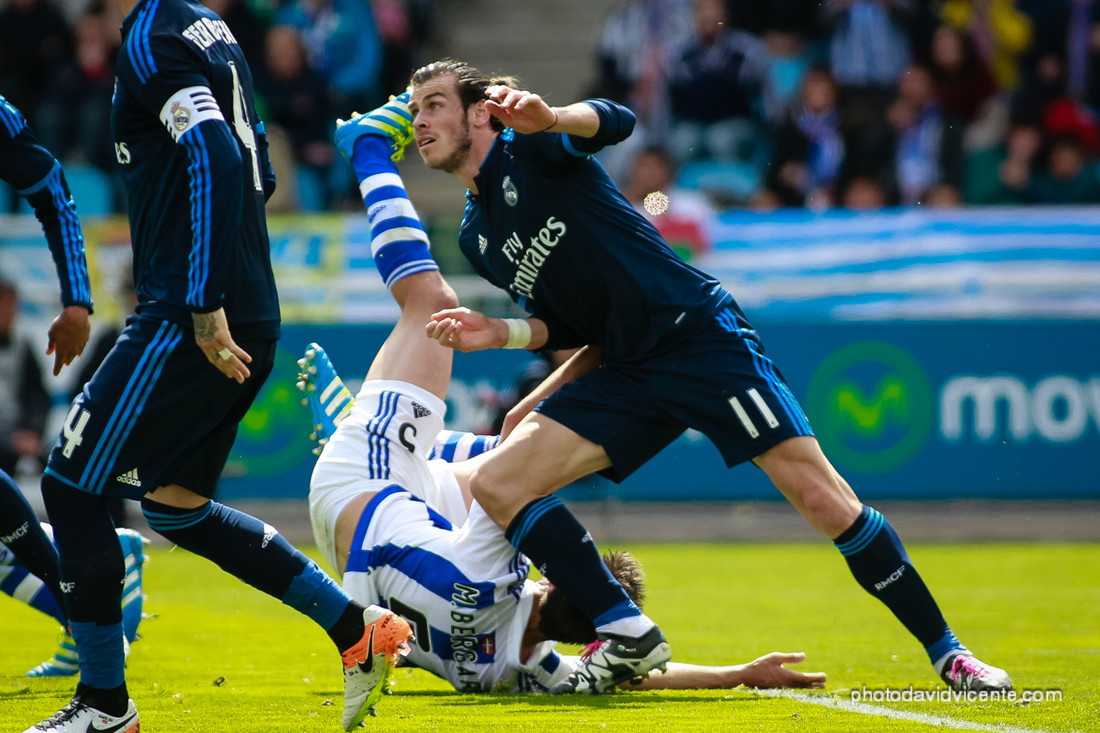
pixel 910 410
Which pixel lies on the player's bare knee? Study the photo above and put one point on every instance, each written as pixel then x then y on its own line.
pixel 495 496
pixel 176 496
pixel 826 505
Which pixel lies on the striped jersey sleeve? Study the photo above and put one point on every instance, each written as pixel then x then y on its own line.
pixel 37 176
pixel 455 445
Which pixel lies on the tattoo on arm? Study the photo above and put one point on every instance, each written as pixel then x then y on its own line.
pixel 206 325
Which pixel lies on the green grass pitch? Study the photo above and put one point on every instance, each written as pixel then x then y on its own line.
pixel 218 656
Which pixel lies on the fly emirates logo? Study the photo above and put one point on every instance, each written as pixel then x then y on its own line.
pixel 530 258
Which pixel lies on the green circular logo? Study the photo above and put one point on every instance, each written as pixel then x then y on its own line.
pixel 871 406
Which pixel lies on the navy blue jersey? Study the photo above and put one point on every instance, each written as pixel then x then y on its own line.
pixel 195 165
pixel 35 174
pixel 550 227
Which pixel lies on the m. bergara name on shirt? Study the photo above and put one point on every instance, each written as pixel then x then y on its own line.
pixel 530 259
pixel 463 634
pixel 205 32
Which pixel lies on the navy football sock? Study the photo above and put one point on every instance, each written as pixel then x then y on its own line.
pixel 35 555
pixel 564 552
pixel 92 573
pixel 256 553
pixel 880 564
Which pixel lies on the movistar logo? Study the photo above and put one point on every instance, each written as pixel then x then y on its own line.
pixel 870 413
pixel 872 406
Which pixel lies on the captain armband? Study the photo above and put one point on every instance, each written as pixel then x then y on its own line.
pixel 519 333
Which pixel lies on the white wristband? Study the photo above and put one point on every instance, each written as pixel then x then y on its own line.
pixel 519 333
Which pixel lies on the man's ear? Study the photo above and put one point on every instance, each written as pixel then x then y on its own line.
pixel 479 114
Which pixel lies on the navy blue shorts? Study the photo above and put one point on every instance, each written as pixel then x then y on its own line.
pixel 155 413
pixel 718 381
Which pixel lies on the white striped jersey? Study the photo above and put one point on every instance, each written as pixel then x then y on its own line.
pixel 464 589
pixel 417 549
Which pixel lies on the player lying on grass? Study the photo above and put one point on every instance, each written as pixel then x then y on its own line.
pixel 397 520
pixel 401 530
pixel 22 583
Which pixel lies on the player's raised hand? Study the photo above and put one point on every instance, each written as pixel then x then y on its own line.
pixel 768 671
pixel 465 330
pixel 523 111
pixel 68 335
pixel 213 337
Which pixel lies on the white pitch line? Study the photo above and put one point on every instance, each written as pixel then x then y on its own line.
pixel 865 709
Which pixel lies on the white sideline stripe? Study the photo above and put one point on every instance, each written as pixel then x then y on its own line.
pixel 863 708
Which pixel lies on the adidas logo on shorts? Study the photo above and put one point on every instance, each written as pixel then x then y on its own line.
pixel 419 410
pixel 130 477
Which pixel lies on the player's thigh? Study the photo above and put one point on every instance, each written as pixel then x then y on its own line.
pixel 154 400
pixel 724 385
pixel 802 473
pixel 613 408
pixel 199 468
pixel 539 457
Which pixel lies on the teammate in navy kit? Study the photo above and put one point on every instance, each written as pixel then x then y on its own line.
pixel 667 348
pixel 157 420
pixel 30 571
pixel 37 176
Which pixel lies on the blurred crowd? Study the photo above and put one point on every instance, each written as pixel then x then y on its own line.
pixel 861 103
pixel 311 60
pixel 816 103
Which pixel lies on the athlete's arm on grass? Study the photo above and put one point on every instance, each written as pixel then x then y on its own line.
pixel 763 673
pixel 586 359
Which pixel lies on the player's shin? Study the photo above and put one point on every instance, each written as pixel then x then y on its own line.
pixel 256 553
pixel 32 555
pixel 92 572
pixel 564 552
pixel 882 567
pixel 399 244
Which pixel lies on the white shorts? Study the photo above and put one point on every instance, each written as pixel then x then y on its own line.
pixel 385 440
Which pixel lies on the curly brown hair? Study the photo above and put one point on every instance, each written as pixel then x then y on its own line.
pixel 560 620
pixel 470 81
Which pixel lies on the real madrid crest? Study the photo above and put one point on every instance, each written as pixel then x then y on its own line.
pixel 181 116
pixel 511 195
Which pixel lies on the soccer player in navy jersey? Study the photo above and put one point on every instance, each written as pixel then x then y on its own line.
pixel 157 420
pixel 401 529
pixel 666 348
pixel 36 175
